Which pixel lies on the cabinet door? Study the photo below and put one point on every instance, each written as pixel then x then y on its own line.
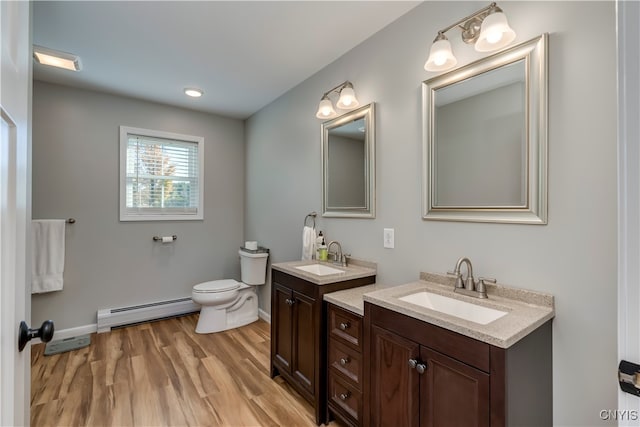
pixel 394 385
pixel 304 349
pixel 452 393
pixel 283 322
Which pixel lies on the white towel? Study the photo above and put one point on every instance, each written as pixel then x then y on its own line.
pixel 47 246
pixel 308 242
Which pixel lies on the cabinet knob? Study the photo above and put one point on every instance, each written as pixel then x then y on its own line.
pixel 413 363
pixel 344 361
pixel 344 326
pixel 289 301
pixel 344 396
pixel 421 367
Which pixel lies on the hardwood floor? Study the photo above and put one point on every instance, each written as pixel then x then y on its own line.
pixel 164 374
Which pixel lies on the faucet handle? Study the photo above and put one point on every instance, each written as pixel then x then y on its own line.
pixel 480 287
pixel 458 277
pixel 345 259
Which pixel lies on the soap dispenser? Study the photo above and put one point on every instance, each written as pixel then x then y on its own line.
pixel 322 251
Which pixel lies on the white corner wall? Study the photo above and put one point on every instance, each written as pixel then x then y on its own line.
pixel 76 174
pixel 573 257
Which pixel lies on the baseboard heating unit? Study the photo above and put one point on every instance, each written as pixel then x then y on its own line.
pixel 109 318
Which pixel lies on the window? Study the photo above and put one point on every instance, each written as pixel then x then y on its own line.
pixel 161 175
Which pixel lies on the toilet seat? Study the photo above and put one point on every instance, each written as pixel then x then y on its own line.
pixel 216 286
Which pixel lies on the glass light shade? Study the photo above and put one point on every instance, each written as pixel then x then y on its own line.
pixel 495 33
pixel 348 100
pixel 325 109
pixel 56 58
pixel 440 56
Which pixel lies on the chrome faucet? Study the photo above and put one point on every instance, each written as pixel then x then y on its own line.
pixel 338 257
pixel 469 286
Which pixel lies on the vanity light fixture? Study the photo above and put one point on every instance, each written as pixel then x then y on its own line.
pixel 56 58
pixel 346 101
pixel 487 29
pixel 193 92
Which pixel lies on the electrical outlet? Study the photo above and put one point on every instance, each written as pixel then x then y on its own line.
pixel 389 238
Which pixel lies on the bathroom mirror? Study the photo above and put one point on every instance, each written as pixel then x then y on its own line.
pixel 485 139
pixel 348 164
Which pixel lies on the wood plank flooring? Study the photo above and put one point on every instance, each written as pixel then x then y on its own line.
pixel 164 374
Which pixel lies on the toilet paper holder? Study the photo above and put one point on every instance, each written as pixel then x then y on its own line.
pixel 164 238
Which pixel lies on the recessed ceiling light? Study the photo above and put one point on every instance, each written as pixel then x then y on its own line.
pixel 56 58
pixel 193 92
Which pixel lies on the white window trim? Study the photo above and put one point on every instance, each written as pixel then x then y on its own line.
pixel 128 216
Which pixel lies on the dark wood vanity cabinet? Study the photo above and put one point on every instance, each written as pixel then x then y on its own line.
pixel 424 375
pixel 293 341
pixel 299 334
pixel 345 366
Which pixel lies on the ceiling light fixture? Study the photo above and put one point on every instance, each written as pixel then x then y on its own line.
pixel 56 58
pixel 346 101
pixel 487 29
pixel 193 92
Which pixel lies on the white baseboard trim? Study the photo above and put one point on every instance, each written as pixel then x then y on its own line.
pixel 264 315
pixel 63 334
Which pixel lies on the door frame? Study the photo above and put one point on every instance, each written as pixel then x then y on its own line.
pixel 628 16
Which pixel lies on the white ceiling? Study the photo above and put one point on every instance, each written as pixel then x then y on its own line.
pixel 242 54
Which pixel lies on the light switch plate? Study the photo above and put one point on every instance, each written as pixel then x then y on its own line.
pixel 389 238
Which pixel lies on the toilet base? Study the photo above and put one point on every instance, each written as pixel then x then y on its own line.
pixel 240 312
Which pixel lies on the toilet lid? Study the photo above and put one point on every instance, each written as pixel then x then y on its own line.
pixel 217 286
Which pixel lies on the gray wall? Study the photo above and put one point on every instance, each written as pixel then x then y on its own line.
pixel 75 174
pixel 573 257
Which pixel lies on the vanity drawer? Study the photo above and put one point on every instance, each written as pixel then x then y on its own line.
pixel 346 360
pixel 346 398
pixel 345 326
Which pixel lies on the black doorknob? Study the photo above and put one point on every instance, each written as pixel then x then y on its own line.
pixel 25 334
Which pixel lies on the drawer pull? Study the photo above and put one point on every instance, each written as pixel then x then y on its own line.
pixel 417 365
pixel 345 325
pixel 344 361
pixel 344 396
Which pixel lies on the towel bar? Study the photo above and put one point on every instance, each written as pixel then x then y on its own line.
pixel 159 238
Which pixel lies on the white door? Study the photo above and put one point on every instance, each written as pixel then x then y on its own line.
pixel 15 208
pixel 628 16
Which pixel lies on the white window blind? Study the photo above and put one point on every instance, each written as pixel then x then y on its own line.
pixel 162 175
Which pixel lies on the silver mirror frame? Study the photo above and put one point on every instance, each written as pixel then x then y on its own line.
pixel 368 211
pixel 534 52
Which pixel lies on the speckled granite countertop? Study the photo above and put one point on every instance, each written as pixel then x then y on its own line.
pixel 351 299
pixel 356 269
pixel 527 310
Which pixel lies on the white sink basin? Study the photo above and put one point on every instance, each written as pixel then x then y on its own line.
pixel 453 307
pixel 319 269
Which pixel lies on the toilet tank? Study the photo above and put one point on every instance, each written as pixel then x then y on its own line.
pixel 253 267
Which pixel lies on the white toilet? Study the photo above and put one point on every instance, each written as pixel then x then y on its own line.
pixel 228 304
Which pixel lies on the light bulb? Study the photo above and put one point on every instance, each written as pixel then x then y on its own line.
pixel 494 37
pixel 439 59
